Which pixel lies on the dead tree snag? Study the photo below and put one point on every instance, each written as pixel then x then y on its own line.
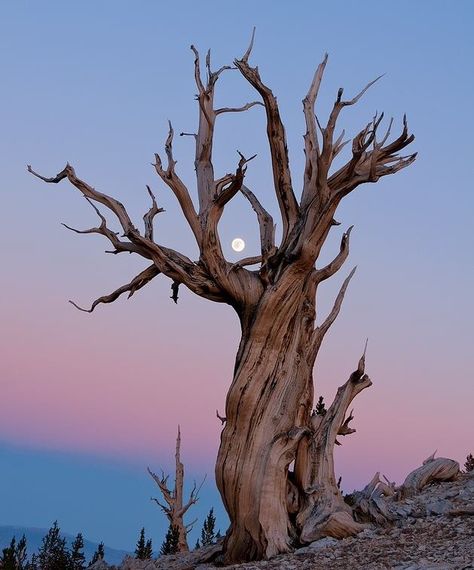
pixel 268 423
pixel 175 508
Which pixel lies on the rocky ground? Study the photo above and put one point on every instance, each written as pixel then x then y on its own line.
pixel 434 530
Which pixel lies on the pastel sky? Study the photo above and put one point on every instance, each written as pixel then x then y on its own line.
pixel 87 401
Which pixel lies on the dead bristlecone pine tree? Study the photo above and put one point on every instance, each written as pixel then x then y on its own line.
pixel 175 508
pixel 268 424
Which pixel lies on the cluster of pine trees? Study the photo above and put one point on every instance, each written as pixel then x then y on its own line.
pixel 54 553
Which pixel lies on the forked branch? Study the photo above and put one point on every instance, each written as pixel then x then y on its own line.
pixel 265 223
pixel 289 208
pixel 320 331
pixel 149 216
pixel 371 159
pixel 119 245
pixel 312 149
pixel 135 284
pixel 177 186
pixel 338 261
pixel 171 263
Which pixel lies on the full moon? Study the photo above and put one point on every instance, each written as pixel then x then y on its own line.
pixel 238 244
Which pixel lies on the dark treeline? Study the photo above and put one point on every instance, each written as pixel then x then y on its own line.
pixel 55 554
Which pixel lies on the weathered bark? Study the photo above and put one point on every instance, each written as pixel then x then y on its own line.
pixel 268 421
pixel 323 511
pixel 441 469
pixel 174 508
pixel 370 505
pixel 267 413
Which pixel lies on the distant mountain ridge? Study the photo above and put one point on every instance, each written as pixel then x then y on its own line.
pixel 34 539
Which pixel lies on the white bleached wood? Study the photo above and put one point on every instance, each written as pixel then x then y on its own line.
pixel 175 508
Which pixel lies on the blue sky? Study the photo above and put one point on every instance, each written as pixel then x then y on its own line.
pixel 89 401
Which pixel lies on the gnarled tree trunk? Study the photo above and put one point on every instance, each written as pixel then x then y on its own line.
pixel 267 412
pixel 269 403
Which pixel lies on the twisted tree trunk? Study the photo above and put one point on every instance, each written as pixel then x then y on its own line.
pixel 267 411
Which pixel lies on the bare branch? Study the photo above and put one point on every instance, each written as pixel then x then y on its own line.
pixel 361 93
pixel 246 55
pixel 120 246
pixel 111 203
pixel 169 149
pixel 320 331
pixel 197 70
pixel 163 507
pixel 265 222
pixel 236 181
pixel 190 525
pixel 311 136
pixel 430 458
pixel 223 419
pixel 345 429
pixel 216 74
pixel 361 365
pixel 148 217
pixel 245 107
pixel 369 165
pixel 162 483
pixel 338 261
pixel 328 151
pixel 135 284
pixel 177 186
pixel 277 140
pixel 253 260
pixel 171 263
pixel 194 496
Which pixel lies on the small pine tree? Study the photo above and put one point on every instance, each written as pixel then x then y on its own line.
pixel 218 534
pixel 197 545
pixel 53 554
pixel 144 548
pixel 14 556
pixel 140 548
pixel 148 550
pixel 33 563
pixel 207 534
pixel 320 409
pixel 78 560
pixel 98 554
pixel 21 555
pixel 170 544
pixel 469 465
pixel 8 559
